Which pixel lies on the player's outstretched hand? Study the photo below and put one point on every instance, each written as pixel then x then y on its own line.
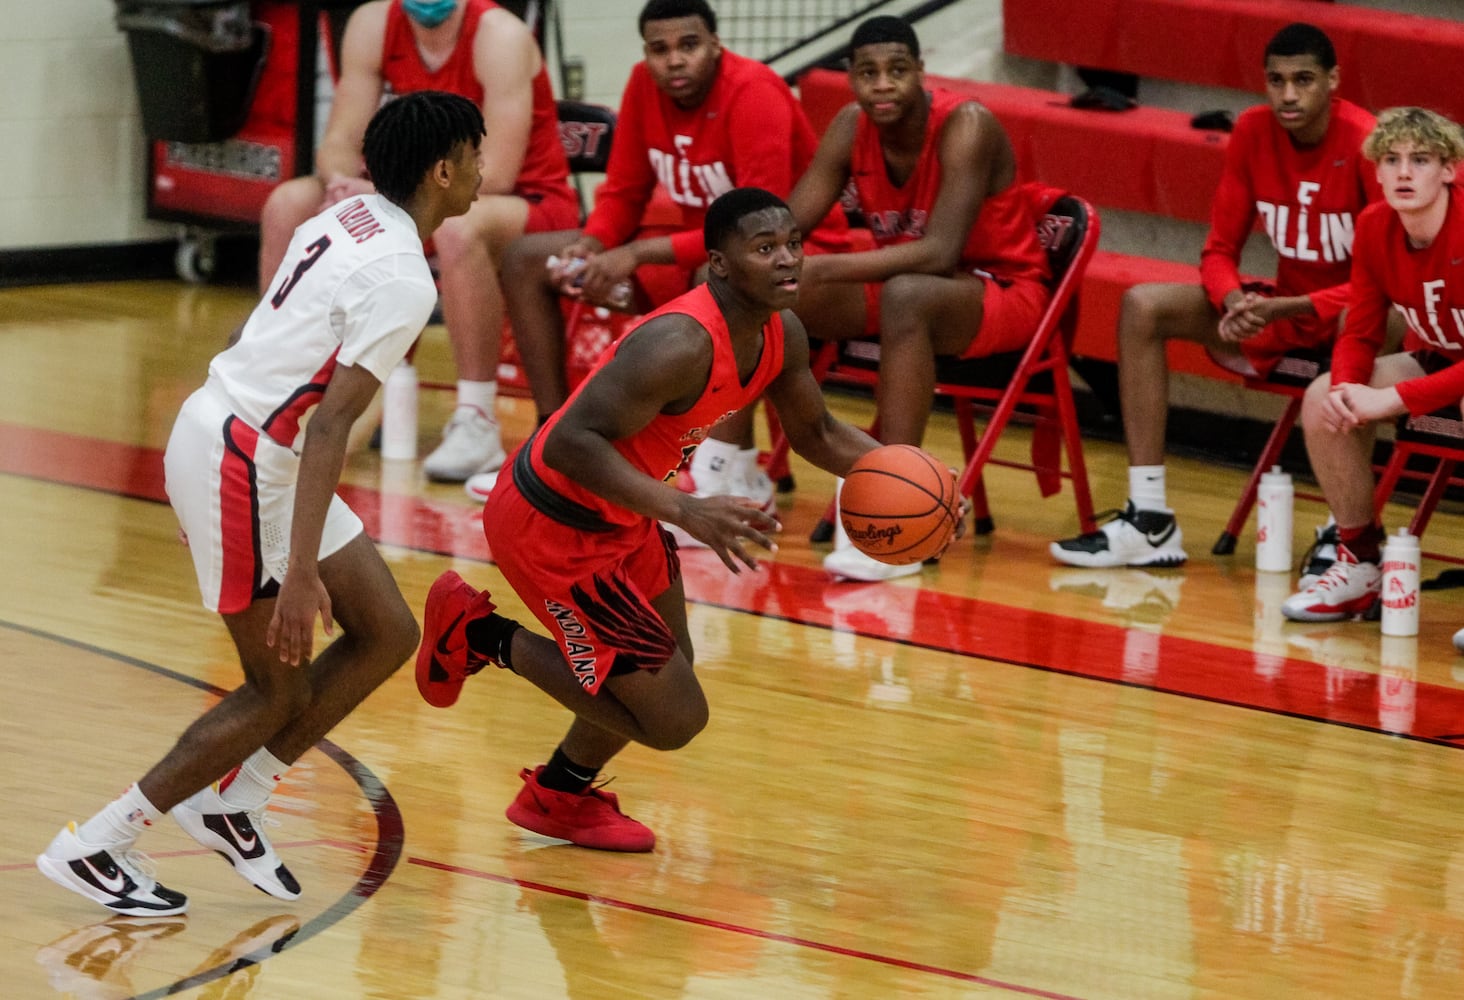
pixel 727 525
pixel 292 628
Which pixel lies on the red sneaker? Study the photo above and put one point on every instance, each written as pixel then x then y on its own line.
pixel 593 819
pixel 444 661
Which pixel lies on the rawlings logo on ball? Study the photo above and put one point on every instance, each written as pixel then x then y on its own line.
pixel 868 536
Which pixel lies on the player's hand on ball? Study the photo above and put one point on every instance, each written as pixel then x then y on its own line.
pixel 728 525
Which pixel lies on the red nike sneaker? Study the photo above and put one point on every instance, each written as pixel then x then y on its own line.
pixel 592 819
pixel 444 661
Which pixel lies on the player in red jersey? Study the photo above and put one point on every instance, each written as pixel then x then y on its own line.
pixel 1406 259
pixel 252 465
pixel 1297 166
pixel 695 121
pixel 957 269
pixel 576 528
pixel 483 52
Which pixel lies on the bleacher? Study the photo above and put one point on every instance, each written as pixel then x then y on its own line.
pixel 1150 159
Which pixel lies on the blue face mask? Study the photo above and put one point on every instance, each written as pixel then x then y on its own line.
pixel 429 13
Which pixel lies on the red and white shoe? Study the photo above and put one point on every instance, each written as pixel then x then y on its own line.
pixel 1348 589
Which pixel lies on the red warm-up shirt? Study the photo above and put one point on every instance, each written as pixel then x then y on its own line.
pixel 1307 200
pixel 1425 285
pixel 749 132
pixel 545 170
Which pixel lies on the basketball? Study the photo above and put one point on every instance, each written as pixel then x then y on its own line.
pixel 899 505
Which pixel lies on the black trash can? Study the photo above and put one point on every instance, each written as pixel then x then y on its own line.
pixel 196 63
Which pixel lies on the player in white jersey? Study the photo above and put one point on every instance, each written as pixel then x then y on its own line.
pixel 252 467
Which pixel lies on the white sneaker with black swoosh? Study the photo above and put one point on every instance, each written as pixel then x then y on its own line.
pixel 236 835
pixel 111 874
pixel 1133 538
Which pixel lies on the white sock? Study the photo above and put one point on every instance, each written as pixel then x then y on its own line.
pixel 714 458
pixel 479 395
pixel 249 786
pixel 841 537
pixel 746 463
pixel 1146 487
pixel 121 821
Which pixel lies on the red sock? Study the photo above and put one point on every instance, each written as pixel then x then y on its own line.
pixel 1364 543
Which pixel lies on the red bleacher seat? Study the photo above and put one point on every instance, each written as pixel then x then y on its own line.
pixel 1387 58
pixel 1167 167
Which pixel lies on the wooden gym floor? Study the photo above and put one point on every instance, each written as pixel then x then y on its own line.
pixel 1003 778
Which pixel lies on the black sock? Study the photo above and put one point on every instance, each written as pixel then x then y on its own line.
pixel 563 775
pixel 492 636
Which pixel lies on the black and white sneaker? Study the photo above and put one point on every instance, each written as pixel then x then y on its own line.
pixel 237 837
pixel 1133 538
pixel 111 874
pixel 1320 557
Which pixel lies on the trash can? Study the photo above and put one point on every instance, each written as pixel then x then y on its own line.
pixel 196 64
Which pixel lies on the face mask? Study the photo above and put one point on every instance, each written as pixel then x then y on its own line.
pixel 429 13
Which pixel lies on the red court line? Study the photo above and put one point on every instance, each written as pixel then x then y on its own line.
pixel 722 925
pixel 925 618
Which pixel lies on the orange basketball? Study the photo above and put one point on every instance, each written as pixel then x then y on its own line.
pixel 899 505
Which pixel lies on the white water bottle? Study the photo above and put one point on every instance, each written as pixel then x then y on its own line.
pixel 399 413
pixel 1400 584
pixel 1274 500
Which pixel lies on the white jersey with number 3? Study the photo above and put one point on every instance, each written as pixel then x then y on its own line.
pixel 354 288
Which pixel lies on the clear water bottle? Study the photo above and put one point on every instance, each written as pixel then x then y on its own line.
pixel 1400 584
pixel 399 413
pixel 1274 501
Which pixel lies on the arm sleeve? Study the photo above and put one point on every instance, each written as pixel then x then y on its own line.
pixel 1232 216
pixel 629 179
pixel 1330 302
pixel 1367 309
pixel 1433 392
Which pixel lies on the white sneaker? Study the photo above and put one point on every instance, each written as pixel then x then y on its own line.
pixel 470 444
pixel 1348 589
pixel 1459 640
pixel 237 836
pixel 1133 538
pixel 114 875
pixel 1320 556
pixel 758 488
pixel 480 487
pixel 848 563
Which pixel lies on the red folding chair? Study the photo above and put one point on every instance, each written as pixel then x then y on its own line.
pixel 1033 386
pixel 1293 373
pixel 1438 435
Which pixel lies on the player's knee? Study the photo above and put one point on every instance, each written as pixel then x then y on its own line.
pixel 680 728
pixel 1312 404
pixel 902 306
pixel 524 260
pixel 1138 316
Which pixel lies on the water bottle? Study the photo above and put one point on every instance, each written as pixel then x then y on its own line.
pixel 1274 500
pixel 1400 584
pixel 399 413
pixel 622 294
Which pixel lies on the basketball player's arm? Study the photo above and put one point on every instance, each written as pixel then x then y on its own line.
pixel 505 59
pixel 812 430
pixel 827 174
pixel 1232 217
pixel 662 365
pixel 971 148
pixel 338 161
pixel 302 594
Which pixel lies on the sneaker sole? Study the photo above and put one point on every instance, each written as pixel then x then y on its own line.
pixel 458 475
pixel 1371 613
pixel 1107 560
pixel 192 824
pixel 545 827
pixel 60 873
